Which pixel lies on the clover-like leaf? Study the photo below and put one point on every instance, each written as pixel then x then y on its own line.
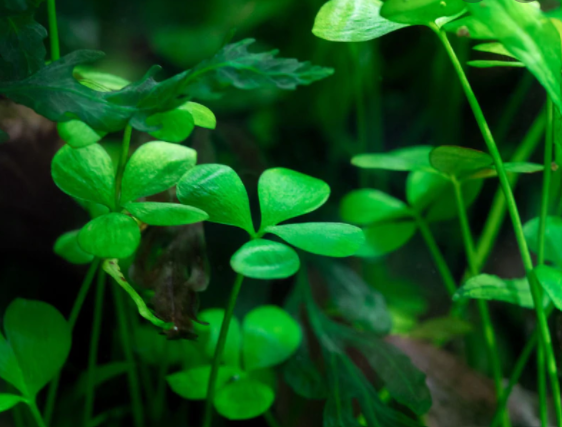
pixel 193 383
pixel 489 287
pixel 270 336
pixel 244 399
pixel 210 336
pixel 458 161
pixel 85 173
pixel 264 259
pixel 401 159
pixel 420 12
pixel 36 345
pixel 321 238
pixel 352 21
pixel 113 235
pixel 78 134
pixel 366 206
pixel 286 194
pixel 68 248
pixel 553 237
pixel 155 167
pixel 382 238
pixel 174 125
pixel 202 116
pixel 217 190
pixel 165 214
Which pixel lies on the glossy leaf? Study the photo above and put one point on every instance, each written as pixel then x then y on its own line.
pixel 8 401
pixel 551 281
pixel 286 194
pixel 111 267
pixel 202 116
pixel 165 214
pixel 85 173
pixel 489 287
pixel 495 63
pixel 270 336
pixel 33 329
pixel 68 248
pixel 321 238
pixel 113 235
pixel 192 384
pixel 552 248
pixel 155 167
pixel 243 399
pixel 383 238
pixel 366 206
pixel 217 190
pixel 352 21
pixel 78 134
pixel 99 80
pixel 210 336
pixel 420 12
pixel 173 125
pixel 264 259
pixel 402 159
pixel 458 161
pixel 531 38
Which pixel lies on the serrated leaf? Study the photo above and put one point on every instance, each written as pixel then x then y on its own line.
pixel 86 173
pixel 352 21
pixel 217 190
pixel 383 238
pixel 366 206
pixel 420 12
pixel 210 336
pixel 321 238
pixel 202 116
pixel 303 375
pixel 264 259
pixel 8 401
pixel 402 159
pixel 270 336
pixel 458 161
pixel 551 280
pixel 243 399
pixel 192 384
pixel 67 247
pixel 165 214
pixel 553 237
pixel 490 287
pixel 78 134
pixel 480 63
pixel 155 167
pixel 33 328
pixel 113 235
pixel 173 125
pixel 286 194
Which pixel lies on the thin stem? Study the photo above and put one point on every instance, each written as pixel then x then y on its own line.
pixel 542 386
pixel 53 30
pixel 270 419
pixel 160 398
pixel 125 336
pixel 516 221
pixel 36 414
pixel 482 306
pixel 438 259
pixel 219 350
pixel 94 343
pixel 122 162
pixel 75 311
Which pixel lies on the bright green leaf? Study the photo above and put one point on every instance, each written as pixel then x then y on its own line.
pixel 217 190
pixel 469 26
pixel 155 167
pixel 270 336
pixel 352 21
pixel 174 125
pixel 495 47
pixel 458 161
pixel 165 214
pixel 78 134
pixel 513 167
pixel 264 259
pixel 383 238
pixel 402 159
pixel 85 173
pixel 210 336
pixel 8 401
pixel 420 12
pixel 494 63
pixel 114 235
pixel 243 399
pixel 202 116
pixel 489 287
pixel 98 80
pixel 321 238
pixel 551 281
pixel 192 384
pixel 286 194
pixel 68 248
pixel 366 206
pixel 552 247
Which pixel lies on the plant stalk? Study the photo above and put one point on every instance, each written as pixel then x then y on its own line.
pixel 208 417
pixel 517 225
pixel 122 162
pixel 36 414
pixel 53 30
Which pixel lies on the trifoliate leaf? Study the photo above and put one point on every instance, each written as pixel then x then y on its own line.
pixel 165 214
pixel 244 399
pixel 202 116
pixel 78 134
pixel 264 259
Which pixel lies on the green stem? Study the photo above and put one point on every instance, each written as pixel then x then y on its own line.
pixel 270 419
pixel 94 343
pixel 53 30
pixel 542 386
pixel 482 306
pixel 122 162
pixel 160 398
pixel 76 308
pixel 219 350
pixel 516 221
pixel 440 262
pixel 36 414
pixel 125 335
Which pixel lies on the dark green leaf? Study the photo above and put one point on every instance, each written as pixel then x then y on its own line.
pixel 270 336
pixel 192 384
pixel 244 399
pixel 383 238
pixel 114 235
pixel 8 401
pixel 264 259
pixel 489 287
pixel 165 214
pixel 303 375
pixel 551 281
pixel 352 21
pixel 458 161
pixel 210 336
pixel 155 167
pixel 36 346
pixel 402 159
pixel 441 329
pixel 492 63
pixel 552 248
pixel 85 173
pixel 173 126
pixel 339 412
pixel 286 194
pixel 421 12
pixel 78 134
pixel 366 206
pixel 68 248
pixel 217 190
